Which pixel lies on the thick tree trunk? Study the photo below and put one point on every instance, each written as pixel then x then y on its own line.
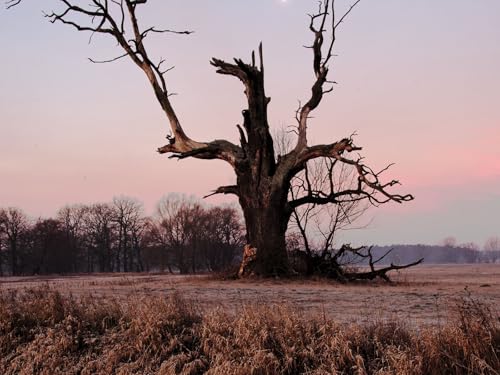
pixel 266 221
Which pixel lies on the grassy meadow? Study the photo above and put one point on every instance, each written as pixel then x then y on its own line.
pixel 432 320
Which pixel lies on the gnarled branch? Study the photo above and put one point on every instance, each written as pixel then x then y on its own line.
pixel 11 3
pixel 257 143
pixel 374 273
pixel 231 189
pixel 321 58
pixel 218 149
pixel 332 263
pixel 369 186
pixel 101 20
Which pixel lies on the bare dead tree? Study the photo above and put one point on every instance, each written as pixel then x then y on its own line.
pixel 13 224
pixel 491 250
pixel 100 232
pixel 128 216
pixel 492 244
pixel 71 218
pixel 223 237
pixel 318 225
pixel 313 228
pixel 322 177
pixel 262 182
pixel 178 227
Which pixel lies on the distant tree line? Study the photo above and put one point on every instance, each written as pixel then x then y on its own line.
pixel 182 236
pixel 442 254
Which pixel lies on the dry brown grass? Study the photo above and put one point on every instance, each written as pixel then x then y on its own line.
pixel 419 296
pixel 44 332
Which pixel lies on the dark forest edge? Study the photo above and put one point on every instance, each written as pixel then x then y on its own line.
pixel 184 236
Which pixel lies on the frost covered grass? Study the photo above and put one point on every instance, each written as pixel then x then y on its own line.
pixel 45 332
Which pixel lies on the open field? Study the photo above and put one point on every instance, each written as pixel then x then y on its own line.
pixel 426 323
pixel 422 295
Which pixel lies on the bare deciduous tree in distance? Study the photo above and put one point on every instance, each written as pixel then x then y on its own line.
pixel 129 220
pixel 262 181
pixel 13 223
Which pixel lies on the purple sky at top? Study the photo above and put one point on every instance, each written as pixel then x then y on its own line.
pixel 419 82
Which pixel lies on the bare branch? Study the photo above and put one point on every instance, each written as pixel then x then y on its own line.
pixel 321 58
pixel 102 21
pixel 108 61
pixel 11 3
pixel 369 185
pixel 218 149
pixel 154 30
pixel 232 189
pixel 346 14
pixel 382 272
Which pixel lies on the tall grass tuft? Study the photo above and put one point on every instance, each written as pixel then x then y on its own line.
pixel 44 332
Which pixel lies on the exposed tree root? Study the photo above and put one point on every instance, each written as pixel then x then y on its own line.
pixel 337 265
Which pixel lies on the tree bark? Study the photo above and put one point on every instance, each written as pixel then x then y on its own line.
pixel 266 219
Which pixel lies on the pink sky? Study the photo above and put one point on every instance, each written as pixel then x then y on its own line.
pixel 418 81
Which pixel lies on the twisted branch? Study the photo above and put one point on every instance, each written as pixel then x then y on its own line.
pixel 101 20
pixel 321 58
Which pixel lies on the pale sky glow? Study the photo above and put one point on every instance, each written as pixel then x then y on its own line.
pixel 419 82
